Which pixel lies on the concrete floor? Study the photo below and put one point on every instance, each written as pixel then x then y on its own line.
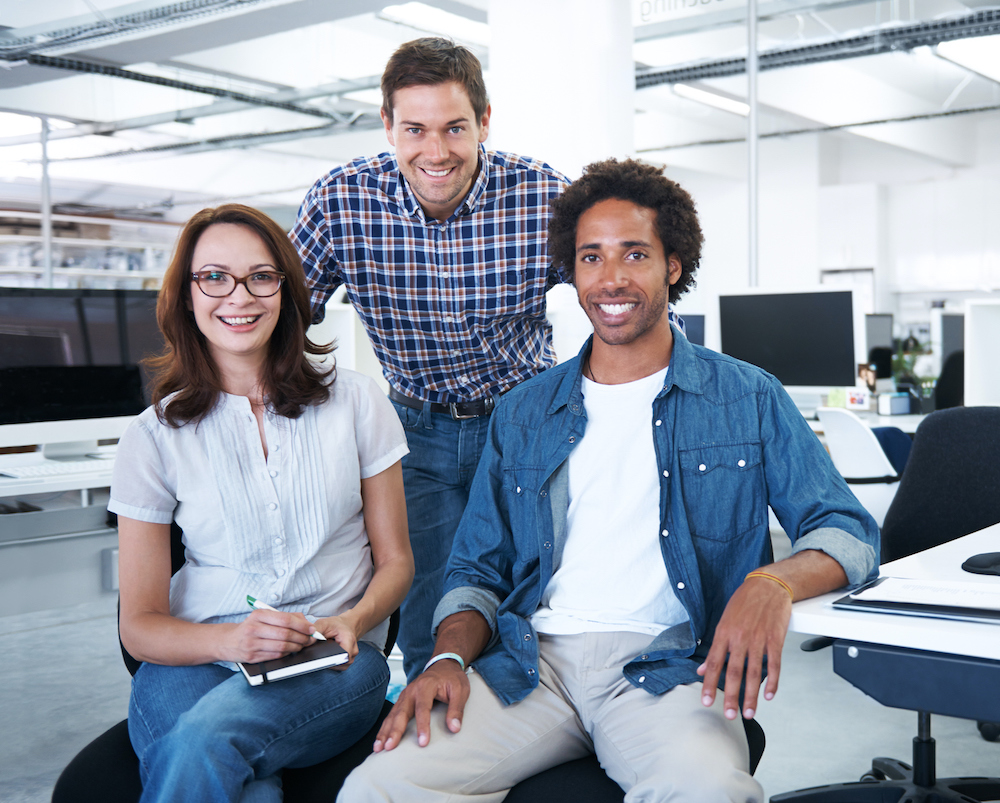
pixel 64 683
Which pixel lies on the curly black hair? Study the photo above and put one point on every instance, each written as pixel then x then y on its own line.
pixel 644 185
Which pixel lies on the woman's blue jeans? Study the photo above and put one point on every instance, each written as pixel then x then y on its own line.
pixel 202 733
pixel 437 477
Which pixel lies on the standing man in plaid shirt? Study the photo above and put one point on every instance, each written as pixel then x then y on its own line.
pixel 442 248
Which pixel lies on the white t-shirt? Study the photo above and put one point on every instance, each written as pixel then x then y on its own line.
pixel 287 529
pixel 612 575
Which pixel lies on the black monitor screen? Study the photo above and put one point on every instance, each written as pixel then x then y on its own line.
pixel 694 328
pixel 802 338
pixel 69 354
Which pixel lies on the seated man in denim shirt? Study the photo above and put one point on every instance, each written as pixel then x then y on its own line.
pixel 613 568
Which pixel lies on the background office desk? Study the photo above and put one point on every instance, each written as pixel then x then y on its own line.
pixel 917 663
pixel 907 423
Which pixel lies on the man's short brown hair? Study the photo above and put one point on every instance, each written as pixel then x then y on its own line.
pixel 430 61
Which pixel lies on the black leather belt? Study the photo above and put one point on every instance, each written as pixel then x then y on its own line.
pixel 457 410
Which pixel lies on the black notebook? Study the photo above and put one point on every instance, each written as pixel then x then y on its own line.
pixel 938 599
pixel 320 655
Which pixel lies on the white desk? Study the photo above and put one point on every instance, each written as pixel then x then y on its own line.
pixel 944 562
pixel 99 477
pixel 907 423
pixel 916 663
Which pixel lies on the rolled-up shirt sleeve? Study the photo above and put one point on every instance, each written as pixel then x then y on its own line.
pixel 857 558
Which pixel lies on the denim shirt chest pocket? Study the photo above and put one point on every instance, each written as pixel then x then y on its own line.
pixel 723 489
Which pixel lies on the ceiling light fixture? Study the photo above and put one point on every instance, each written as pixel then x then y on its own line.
pixel 433 20
pixel 713 99
pixel 980 54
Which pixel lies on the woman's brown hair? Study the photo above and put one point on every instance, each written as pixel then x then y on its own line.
pixel 291 380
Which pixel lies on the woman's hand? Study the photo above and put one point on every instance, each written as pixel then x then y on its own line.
pixel 265 635
pixel 343 632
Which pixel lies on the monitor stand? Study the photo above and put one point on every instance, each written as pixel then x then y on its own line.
pixel 806 401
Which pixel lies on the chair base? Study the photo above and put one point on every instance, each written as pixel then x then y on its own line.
pixel 891 781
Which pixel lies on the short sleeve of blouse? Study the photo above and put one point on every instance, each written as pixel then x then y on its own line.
pixel 139 486
pixel 380 437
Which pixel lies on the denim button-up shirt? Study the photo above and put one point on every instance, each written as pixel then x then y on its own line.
pixel 729 442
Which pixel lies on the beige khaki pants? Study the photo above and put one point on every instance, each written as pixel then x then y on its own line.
pixel 658 748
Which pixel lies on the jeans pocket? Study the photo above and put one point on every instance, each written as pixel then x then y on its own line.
pixel 408 416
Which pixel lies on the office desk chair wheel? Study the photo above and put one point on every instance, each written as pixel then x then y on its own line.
pixel 892 781
pixel 887 769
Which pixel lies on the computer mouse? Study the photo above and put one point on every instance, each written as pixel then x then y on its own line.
pixel 986 563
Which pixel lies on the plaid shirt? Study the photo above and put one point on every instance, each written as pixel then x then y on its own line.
pixel 455 310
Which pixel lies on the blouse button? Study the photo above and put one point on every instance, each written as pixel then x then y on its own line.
pixel 658 422
pixel 642 678
pixel 547 545
pixel 572 438
pixel 543 493
pixel 742 463
pixel 527 636
pixel 665 533
pixel 278 540
pixel 680 586
pixel 702 467
pixel 531 673
pixel 645 658
pixel 273 473
pixel 666 473
pixel 272 506
pixel 519 489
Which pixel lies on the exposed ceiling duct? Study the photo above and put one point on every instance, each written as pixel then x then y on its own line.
pixel 868 43
pixel 77 65
pixel 129 20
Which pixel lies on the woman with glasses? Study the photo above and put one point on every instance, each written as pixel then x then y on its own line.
pixel 285 478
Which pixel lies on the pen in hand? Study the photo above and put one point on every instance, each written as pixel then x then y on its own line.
pixel 255 603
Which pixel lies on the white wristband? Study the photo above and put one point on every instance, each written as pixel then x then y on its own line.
pixel 452 655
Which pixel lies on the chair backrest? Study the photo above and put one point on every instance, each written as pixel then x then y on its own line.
pixel 951 485
pixel 854 448
pixel 860 459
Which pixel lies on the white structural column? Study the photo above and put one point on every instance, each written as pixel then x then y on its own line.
pixel 752 145
pixel 561 79
pixel 46 206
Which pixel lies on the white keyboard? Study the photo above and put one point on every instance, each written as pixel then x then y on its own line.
pixel 55 468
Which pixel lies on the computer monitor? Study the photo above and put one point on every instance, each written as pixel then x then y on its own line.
pixel 878 330
pixel 811 341
pixel 952 335
pixel 694 328
pixel 69 363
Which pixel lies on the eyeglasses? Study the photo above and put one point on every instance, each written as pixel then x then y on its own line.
pixel 219 284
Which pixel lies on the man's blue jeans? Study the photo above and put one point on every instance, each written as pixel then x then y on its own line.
pixel 437 475
pixel 203 733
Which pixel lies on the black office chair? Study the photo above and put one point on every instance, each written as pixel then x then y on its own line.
pixel 949 390
pixel 949 489
pixel 107 769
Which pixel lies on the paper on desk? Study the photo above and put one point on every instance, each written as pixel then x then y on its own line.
pixel 954 593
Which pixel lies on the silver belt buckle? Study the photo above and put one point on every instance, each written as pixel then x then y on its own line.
pixel 488 404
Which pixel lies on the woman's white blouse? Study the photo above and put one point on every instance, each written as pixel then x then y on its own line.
pixel 287 529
